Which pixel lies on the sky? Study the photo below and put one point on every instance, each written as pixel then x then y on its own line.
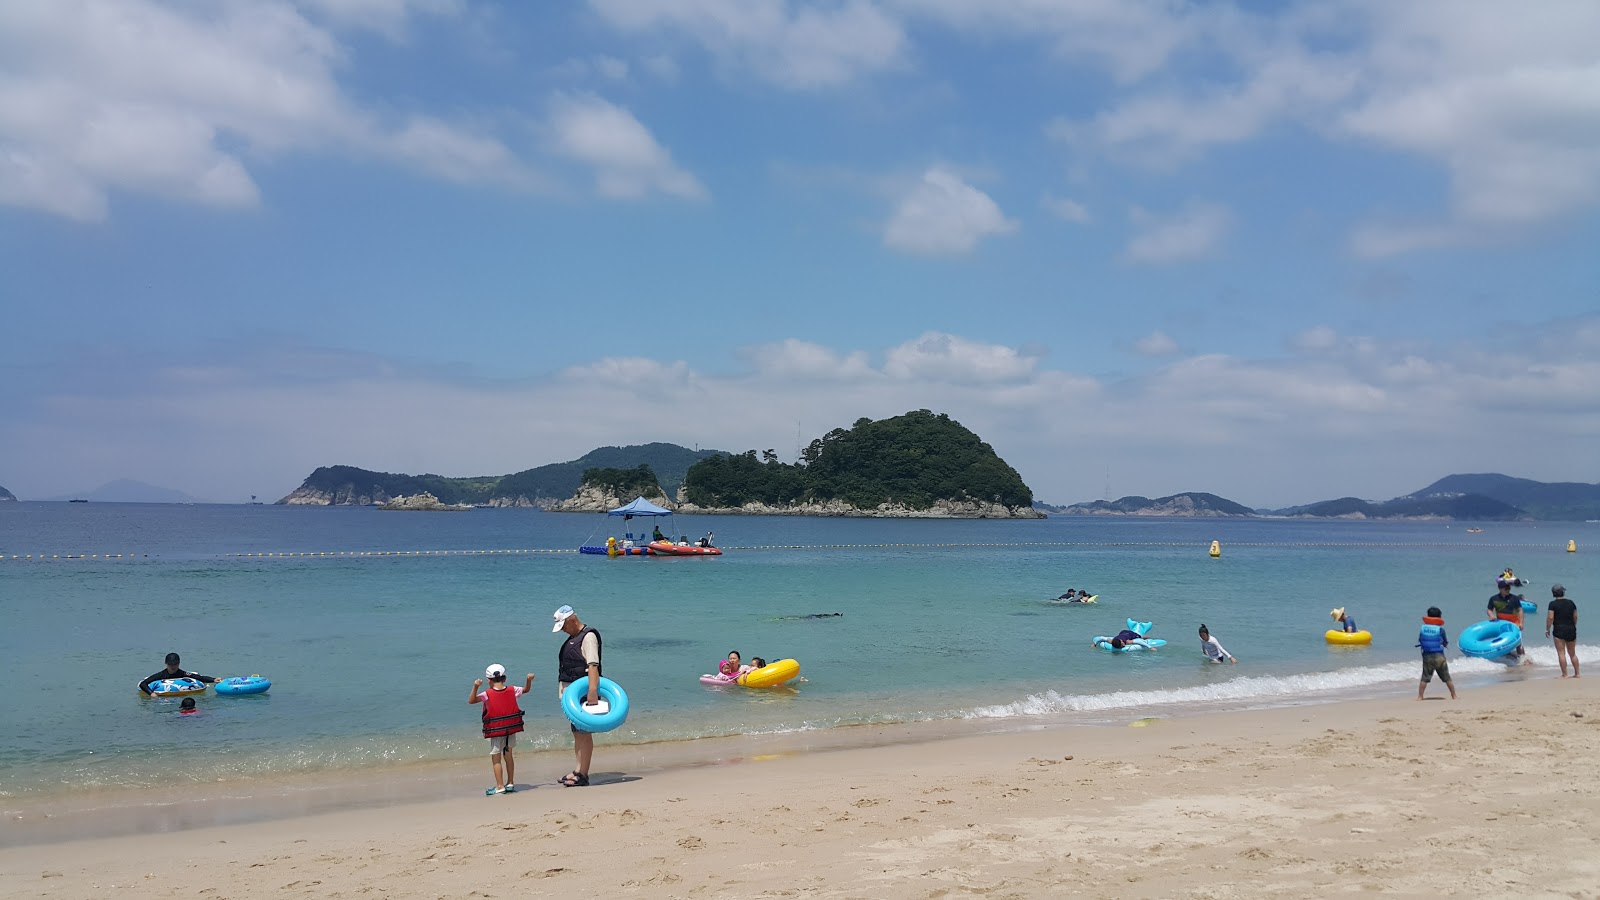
pixel 1280 252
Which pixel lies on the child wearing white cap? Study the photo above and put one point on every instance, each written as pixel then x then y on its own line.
pixel 502 719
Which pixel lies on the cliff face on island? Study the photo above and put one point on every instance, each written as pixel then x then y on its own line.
pixel 7 496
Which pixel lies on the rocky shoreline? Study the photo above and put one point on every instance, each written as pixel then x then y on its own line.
pixel 424 502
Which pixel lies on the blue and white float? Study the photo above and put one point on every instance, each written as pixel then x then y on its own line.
pixel 611 711
pixel 241 684
pixel 1140 628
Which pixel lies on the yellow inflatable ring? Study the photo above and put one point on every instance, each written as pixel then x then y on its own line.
pixel 1349 637
pixel 771 674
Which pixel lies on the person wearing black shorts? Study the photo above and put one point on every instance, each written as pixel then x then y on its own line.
pixel 1561 624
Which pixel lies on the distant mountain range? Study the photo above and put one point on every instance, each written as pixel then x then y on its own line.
pixel 542 486
pixel 126 490
pixel 1479 498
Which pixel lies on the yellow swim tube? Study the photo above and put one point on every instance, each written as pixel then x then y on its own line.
pixel 772 674
pixel 1348 637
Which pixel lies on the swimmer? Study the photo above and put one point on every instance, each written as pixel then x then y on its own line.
pixel 1213 649
pixel 1128 636
pixel 186 708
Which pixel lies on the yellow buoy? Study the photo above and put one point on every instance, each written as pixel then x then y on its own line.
pixel 1216 549
pixel 1572 546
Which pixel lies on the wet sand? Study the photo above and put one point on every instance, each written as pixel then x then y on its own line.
pixel 1490 795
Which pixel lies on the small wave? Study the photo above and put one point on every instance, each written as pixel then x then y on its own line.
pixel 1250 687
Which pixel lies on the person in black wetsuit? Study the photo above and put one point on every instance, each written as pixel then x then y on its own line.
pixel 172 671
pixel 1561 621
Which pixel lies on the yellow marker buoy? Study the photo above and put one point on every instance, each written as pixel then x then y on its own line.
pixel 1572 546
pixel 1216 549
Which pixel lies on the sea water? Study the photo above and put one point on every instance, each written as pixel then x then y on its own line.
pixel 376 623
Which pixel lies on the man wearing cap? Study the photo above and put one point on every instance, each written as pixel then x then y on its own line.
pixel 1561 620
pixel 579 657
pixel 1507 606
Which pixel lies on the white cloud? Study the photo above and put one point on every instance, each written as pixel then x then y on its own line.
pixel 1066 208
pixel 1190 234
pixel 1364 417
pixel 627 160
pixel 661 66
pixel 387 17
pixel 795 359
pixel 1508 104
pixel 97 96
pixel 1318 339
pixel 1156 343
pixel 946 357
pixel 795 45
pixel 942 215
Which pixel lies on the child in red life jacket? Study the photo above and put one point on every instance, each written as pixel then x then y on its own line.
pixel 502 719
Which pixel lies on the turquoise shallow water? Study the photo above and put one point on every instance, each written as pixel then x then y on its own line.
pixel 371 656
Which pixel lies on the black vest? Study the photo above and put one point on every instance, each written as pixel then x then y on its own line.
pixel 570 659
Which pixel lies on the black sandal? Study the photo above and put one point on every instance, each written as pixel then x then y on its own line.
pixel 580 781
pixel 569 779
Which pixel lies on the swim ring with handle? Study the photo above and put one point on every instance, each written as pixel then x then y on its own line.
pixel 176 687
pixel 1489 639
pixel 240 684
pixel 608 714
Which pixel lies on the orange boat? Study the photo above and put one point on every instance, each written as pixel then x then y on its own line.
pixel 668 548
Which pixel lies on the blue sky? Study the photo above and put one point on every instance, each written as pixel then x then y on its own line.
pixel 1276 251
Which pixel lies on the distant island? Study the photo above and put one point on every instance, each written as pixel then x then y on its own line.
pixel 126 490
pixel 919 465
pixel 6 495
pixel 423 502
pixel 542 487
pixel 1477 498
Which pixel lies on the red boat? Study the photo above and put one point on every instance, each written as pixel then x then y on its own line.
pixel 668 548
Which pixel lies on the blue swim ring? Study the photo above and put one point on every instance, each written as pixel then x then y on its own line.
pixel 595 723
pixel 253 684
pixel 174 687
pixel 1490 639
pixel 1529 606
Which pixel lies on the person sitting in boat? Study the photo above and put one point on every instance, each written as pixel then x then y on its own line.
pixel 656 535
pixel 706 541
pixel 1345 620
pixel 1128 636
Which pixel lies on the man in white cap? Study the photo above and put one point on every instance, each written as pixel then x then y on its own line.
pixel 579 657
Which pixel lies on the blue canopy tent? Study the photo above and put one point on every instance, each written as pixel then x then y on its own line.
pixel 641 508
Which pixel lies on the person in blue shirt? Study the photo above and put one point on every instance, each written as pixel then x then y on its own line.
pixel 1345 620
pixel 1434 641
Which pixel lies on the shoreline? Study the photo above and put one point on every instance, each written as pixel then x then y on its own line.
pixel 1379 794
pixel 46 818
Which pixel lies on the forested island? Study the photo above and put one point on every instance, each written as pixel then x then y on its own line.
pixel 543 487
pixel 918 464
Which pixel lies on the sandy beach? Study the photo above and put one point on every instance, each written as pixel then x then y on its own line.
pixel 1491 795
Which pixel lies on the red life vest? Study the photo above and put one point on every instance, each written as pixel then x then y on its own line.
pixel 501 714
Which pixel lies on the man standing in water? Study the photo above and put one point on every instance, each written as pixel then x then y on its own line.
pixel 579 657
pixel 1507 607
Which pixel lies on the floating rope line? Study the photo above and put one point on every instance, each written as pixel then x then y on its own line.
pixel 1199 548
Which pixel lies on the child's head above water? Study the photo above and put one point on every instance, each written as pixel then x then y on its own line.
pixel 187 706
pixel 757 662
pixel 730 665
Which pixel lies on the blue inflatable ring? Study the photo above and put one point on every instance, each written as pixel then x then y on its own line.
pixel 1529 606
pixel 1490 639
pixel 582 719
pixel 255 684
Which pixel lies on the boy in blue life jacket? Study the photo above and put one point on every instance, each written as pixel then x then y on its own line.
pixel 1434 641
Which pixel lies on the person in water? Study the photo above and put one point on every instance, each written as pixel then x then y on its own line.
pixel 732 666
pixel 1434 642
pixel 1128 637
pixel 187 708
pixel 1507 607
pixel 579 657
pixel 1345 620
pixel 1561 621
pixel 1212 648
pixel 173 671
pixel 502 719
pixel 757 662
